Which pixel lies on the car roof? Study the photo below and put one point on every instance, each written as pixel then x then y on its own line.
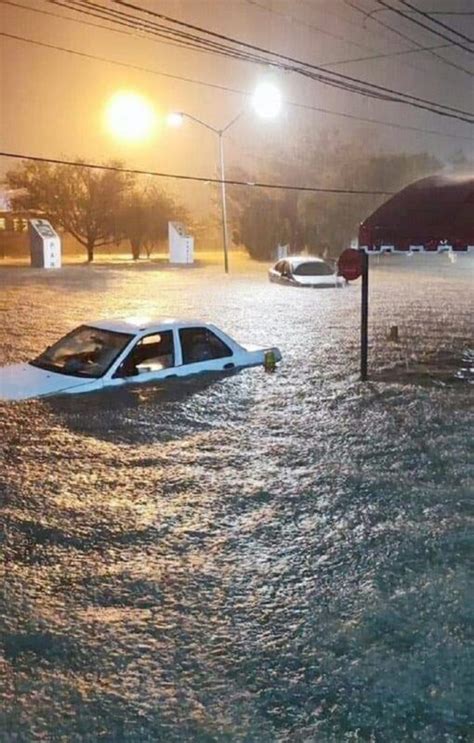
pixel 135 325
pixel 296 260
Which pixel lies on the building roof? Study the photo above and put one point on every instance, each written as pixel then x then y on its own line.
pixel 430 214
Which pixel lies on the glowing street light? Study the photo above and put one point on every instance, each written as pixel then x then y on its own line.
pixel 267 100
pixel 267 103
pixel 129 116
pixel 175 119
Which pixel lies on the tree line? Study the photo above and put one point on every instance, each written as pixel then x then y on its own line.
pixel 100 207
pixel 322 223
pixel 97 207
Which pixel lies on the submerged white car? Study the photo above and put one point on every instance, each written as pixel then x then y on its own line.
pixel 111 353
pixel 305 270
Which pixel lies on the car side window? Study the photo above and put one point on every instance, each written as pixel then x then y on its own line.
pixel 152 353
pixel 201 344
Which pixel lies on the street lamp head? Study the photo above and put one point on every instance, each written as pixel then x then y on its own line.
pixel 266 100
pixel 130 116
pixel 175 119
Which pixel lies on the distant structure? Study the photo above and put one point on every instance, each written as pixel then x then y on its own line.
pixel 282 251
pixel 4 200
pixel 13 222
pixel 181 245
pixel 431 215
pixel 45 244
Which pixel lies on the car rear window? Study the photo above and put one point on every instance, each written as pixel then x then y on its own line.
pixel 313 268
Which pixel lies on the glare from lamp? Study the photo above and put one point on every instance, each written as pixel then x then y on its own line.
pixel 266 100
pixel 129 116
pixel 175 119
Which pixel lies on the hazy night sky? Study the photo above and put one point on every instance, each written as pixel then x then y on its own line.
pixel 53 102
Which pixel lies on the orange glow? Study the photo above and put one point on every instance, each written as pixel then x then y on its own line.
pixel 130 116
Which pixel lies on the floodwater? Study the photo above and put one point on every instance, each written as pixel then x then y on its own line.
pixel 257 557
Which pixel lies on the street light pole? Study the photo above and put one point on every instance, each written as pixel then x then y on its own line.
pixel 225 232
pixel 224 204
pixel 266 101
pixel 220 133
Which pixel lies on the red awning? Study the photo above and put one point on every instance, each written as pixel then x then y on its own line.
pixel 433 214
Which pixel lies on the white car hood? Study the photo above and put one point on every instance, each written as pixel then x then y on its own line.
pixel 21 381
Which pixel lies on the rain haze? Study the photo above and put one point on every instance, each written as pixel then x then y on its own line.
pixel 236 368
pixel 54 102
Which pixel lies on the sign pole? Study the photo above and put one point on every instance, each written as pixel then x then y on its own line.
pixel 353 263
pixel 364 315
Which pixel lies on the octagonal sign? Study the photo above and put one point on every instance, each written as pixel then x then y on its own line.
pixel 350 264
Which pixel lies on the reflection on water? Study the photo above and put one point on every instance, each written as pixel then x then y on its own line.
pixel 247 557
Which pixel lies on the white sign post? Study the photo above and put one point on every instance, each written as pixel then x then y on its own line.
pixel 181 245
pixel 45 244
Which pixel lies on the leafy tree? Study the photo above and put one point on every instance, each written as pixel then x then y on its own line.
pixel 321 222
pixel 263 225
pixel 143 219
pixel 82 200
pixel 331 220
pixel 459 162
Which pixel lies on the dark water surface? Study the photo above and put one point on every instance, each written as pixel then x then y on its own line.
pixel 246 558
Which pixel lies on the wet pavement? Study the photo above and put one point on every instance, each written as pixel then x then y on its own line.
pixel 250 557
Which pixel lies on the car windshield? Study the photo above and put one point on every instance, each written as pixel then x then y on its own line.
pixel 313 268
pixel 86 352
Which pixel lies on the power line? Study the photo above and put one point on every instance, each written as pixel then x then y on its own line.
pixel 419 47
pixel 199 179
pixel 207 84
pixel 227 89
pixel 327 64
pixel 329 10
pixel 312 71
pixel 338 75
pixel 312 27
pixel 427 15
pixel 450 12
pixel 184 38
pixel 371 13
pixel 131 21
pixel 51 14
pixel 386 55
pixel 407 16
pixel 128 65
pixel 113 16
pixel 396 31
pixel 198 43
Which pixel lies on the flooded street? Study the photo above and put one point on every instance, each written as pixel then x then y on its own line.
pixel 253 557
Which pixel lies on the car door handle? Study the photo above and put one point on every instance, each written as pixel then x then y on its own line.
pixel 229 366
